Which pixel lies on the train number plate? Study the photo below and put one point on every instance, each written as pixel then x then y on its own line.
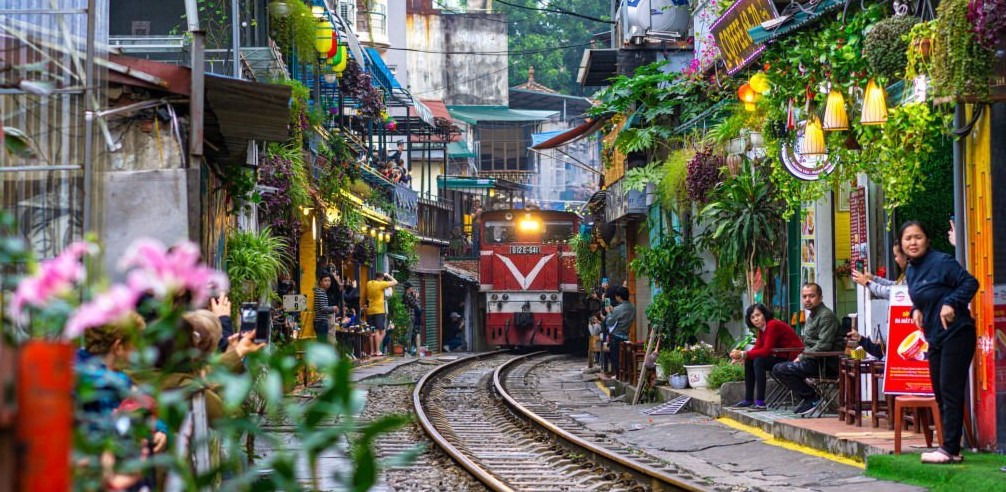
pixel 525 250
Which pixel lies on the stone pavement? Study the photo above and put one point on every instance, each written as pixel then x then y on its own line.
pixel 724 452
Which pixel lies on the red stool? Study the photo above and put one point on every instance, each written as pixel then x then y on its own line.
pixel 920 404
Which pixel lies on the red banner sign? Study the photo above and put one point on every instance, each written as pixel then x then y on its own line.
pixel 907 369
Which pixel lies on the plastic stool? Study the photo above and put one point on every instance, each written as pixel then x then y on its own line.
pixel 920 404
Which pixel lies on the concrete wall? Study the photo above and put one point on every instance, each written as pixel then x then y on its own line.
pixel 397 59
pixel 458 79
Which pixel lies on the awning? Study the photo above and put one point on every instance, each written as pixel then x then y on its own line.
pixel 461 273
pixel 397 256
pixel 382 74
pixel 551 140
pixel 459 150
pixel 597 67
pixel 465 183
pixel 477 114
pixel 228 119
pixel 802 17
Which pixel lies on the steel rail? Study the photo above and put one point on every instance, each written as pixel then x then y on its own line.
pixel 480 473
pixel 654 478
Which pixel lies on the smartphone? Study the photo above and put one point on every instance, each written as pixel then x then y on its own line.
pixel 607 302
pixel 263 324
pixel 859 265
pixel 249 316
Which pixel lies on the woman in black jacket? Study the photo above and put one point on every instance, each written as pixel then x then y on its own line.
pixel 941 290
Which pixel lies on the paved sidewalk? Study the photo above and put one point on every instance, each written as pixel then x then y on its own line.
pixel 726 453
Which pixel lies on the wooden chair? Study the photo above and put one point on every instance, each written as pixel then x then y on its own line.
pixel 926 410
pixel 850 402
pixel 881 405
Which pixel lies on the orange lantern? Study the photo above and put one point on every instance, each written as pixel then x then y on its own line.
pixel 747 94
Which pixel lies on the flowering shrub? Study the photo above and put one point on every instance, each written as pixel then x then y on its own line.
pixel 45 303
pixel 703 174
pixel 699 354
pixel 989 20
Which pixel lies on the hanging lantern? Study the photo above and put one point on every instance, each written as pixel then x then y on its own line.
pixel 874 105
pixel 323 38
pixel 341 61
pixel 747 94
pixel 392 125
pixel 759 83
pixel 790 116
pixel 750 107
pixel 335 44
pixel 835 117
pixel 813 138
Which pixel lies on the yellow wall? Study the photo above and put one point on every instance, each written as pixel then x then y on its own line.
pixel 843 233
pixel 307 257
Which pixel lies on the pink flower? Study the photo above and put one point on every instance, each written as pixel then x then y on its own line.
pixel 108 307
pixel 54 278
pixel 167 272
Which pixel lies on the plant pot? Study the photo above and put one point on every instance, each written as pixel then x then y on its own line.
pixel 45 383
pixel 678 381
pixel 398 350
pixel 651 193
pixel 279 8
pixel 698 376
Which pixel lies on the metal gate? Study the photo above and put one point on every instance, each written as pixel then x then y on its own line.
pixel 431 310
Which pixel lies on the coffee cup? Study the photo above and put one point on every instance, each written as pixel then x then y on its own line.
pixel 913 347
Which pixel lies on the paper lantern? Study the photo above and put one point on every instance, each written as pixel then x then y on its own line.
pixel 874 105
pixel 759 83
pixel 335 44
pixel 747 94
pixel 835 116
pixel 323 38
pixel 813 138
pixel 342 60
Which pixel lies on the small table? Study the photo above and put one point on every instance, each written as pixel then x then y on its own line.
pixel 850 390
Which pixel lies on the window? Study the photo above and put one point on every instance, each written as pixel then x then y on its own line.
pixel 499 232
pixel 504 148
pixel 375 18
pixel 557 232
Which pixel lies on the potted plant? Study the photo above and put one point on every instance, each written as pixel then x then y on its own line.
pixel 253 261
pixel 401 317
pixel 699 361
pixel 671 365
pixel 886 45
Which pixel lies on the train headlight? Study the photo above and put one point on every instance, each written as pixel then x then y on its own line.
pixel 495 297
pixel 499 306
pixel 555 296
pixel 506 297
pixel 542 297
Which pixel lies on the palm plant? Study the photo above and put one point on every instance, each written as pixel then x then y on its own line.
pixel 746 224
pixel 253 261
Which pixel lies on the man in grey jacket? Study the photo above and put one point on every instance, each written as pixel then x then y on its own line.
pixel 821 334
pixel 618 320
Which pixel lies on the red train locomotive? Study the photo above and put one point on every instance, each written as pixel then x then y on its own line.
pixel 527 278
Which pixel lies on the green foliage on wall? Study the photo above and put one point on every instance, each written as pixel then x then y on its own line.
pixel 933 206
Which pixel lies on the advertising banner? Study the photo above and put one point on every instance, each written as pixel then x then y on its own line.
pixel 907 369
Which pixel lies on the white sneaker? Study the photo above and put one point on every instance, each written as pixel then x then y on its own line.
pixel 447 348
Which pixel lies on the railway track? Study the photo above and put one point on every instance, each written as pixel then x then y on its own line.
pixel 484 417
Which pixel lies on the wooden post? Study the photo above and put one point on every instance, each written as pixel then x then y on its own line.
pixel 642 371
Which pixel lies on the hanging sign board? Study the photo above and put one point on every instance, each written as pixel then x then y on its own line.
pixel 857 229
pixel 731 31
pixel 907 369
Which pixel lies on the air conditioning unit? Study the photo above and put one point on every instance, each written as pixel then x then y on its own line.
pixel 642 21
pixel 347 10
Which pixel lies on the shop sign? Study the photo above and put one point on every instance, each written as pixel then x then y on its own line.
pixel 906 371
pixel 731 31
pixel 804 167
pixel 406 207
pixel 622 202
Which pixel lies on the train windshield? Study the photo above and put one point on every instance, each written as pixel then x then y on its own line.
pixel 548 232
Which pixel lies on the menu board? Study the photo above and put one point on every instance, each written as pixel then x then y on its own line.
pixel 808 246
pixel 857 229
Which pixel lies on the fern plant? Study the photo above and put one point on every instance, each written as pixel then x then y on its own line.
pixel 253 261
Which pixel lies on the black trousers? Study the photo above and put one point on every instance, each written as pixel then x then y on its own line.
pixel 948 370
pixel 793 374
pixel 755 374
pixel 613 343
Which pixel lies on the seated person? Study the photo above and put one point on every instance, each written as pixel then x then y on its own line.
pixel 821 334
pixel 771 334
pixel 457 331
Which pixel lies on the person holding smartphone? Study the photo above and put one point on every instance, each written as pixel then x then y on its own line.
pixel 376 312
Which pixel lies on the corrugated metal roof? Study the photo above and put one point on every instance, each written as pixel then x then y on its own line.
pixel 459 150
pixel 476 114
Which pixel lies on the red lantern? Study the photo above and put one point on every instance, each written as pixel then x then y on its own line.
pixel 335 44
pixel 747 94
pixel 392 125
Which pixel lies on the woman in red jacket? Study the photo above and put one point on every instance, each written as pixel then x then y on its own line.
pixel 771 334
